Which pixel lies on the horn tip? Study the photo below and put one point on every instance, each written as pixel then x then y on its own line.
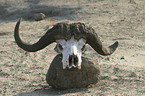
pixel 116 43
pixel 20 19
pixel 113 47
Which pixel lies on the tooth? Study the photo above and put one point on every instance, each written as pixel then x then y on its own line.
pixel 64 66
pixel 79 67
pixel 74 66
pixel 69 67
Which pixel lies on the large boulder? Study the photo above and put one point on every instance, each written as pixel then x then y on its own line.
pixel 60 78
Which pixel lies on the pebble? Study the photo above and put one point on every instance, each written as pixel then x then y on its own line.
pixel 122 57
pixel 132 74
pixel 39 16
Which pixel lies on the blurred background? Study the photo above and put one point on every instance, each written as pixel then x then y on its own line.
pixel 12 9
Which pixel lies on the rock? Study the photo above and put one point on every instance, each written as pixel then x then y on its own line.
pixel 104 77
pixel 116 70
pixel 72 78
pixel 39 16
pixel 132 2
pixel 133 74
pixel 122 57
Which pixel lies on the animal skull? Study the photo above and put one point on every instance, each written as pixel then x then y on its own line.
pixel 71 52
pixel 71 40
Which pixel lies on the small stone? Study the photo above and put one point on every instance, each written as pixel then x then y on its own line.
pixel 132 2
pixel 104 77
pixel 122 57
pixel 133 74
pixel 4 74
pixel 39 16
pixel 115 70
pixel 60 78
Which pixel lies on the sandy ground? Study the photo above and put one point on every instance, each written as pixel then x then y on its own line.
pixel 122 73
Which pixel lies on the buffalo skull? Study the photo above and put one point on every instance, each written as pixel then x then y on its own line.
pixel 71 40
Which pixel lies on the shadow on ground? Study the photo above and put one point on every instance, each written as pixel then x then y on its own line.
pixel 51 91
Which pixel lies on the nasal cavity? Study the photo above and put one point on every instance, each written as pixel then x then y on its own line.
pixel 73 59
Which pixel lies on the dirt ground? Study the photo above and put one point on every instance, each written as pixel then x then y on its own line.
pixel 122 73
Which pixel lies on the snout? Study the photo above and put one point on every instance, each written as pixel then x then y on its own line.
pixel 73 61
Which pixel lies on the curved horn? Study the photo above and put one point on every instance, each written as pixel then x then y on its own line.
pixel 45 40
pixel 94 41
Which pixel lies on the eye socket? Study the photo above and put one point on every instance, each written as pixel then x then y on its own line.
pixel 83 48
pixel 60 47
